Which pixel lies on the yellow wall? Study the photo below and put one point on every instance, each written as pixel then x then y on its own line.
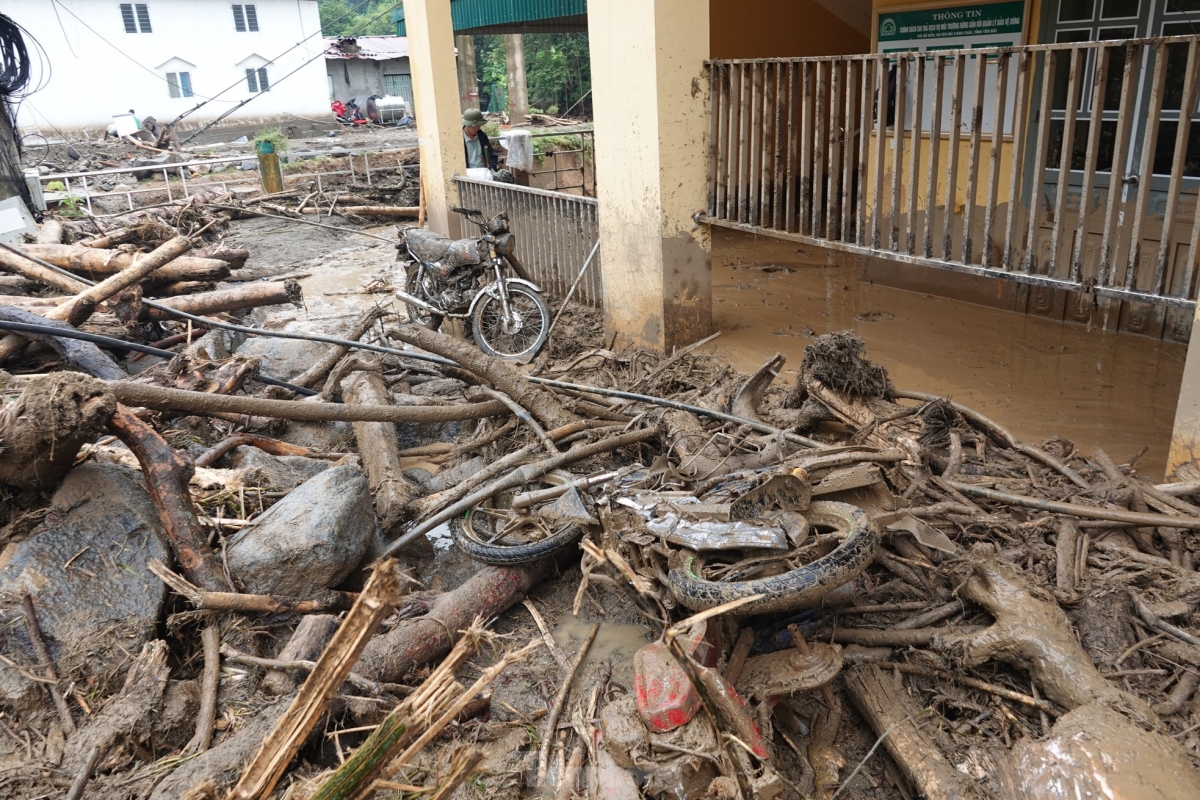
pixel 779 28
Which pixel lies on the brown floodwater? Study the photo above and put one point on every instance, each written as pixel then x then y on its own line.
pixel 1039 378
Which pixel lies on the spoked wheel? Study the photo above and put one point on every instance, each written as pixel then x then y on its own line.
pixel 496 536
pixel 522 334
pixel 419 316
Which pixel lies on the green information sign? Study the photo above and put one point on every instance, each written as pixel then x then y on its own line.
pixel 992 24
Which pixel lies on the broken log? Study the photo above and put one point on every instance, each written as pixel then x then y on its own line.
pixel 51 232
pixel 379 446
pixel 167 474
pixel 161 398
pixel 328 600
pixel 250 295
pixel 17 264
pixel 895 718
pixel 265 769
pixel 419 640
pixel 542 404
pixel 42 431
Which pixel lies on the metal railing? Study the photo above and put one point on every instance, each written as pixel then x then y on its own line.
pixel 1065 166
pixel 176 183
pixel 554 232
pixel 586 152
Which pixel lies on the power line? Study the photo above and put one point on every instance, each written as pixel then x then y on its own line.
pixel 275 82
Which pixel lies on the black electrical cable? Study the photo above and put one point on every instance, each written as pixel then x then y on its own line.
pixel 212 323
pixel 14 58
pixel 121 344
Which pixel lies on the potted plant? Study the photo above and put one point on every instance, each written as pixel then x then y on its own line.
pixel 270 141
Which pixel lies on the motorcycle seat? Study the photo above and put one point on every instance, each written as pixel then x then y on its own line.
pixel 440 252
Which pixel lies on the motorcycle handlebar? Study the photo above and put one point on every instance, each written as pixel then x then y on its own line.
pixel 467 211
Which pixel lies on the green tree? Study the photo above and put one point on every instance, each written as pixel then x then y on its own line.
pixel 357 17
pixel 558 69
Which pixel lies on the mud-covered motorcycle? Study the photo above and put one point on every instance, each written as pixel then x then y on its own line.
pixel 469 279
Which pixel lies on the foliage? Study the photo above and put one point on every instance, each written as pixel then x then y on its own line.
pixel 492 130
pixel 357 17
pixel 274 136
pixel 558 70
pixel 68 205
pixel 56 186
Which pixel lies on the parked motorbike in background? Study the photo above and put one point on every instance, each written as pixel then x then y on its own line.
pixel 468 279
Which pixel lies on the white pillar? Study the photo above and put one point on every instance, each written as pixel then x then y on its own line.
pixel 436 101
pixel 1183 463
pixel 650 95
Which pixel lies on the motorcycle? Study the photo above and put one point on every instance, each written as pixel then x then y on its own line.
pixel 446 278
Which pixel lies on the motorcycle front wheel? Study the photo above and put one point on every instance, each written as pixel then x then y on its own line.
pixel 420 316
pixel 522 334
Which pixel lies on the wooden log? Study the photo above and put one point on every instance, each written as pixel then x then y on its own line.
pixel 111 239
pixel 167 474
pixel 317 372
pixel 309 639
pixel 417 641
pixel 92 261
pixel 247 296
pixel 540 402
pixel 79 308
pixel 895 717
pixel 51 232
pixel 379 446
pixel 180 288
pixel 402 212
pixel 11 262
pixel 77 355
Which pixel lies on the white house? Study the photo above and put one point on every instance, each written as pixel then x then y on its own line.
pixel 163 57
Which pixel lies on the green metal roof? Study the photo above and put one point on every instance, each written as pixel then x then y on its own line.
pixel 510 16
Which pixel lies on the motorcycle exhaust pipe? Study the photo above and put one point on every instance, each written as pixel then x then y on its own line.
pixel 418 302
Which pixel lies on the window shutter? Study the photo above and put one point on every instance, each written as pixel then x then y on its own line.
pixel 252 80
pixel 143 15
pixel 239 20
pixel 173 84
pixel 127 17
pixel 252 19
pixel 263 86
pixel 185 83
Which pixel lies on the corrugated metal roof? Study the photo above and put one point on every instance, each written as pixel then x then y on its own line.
pixel 476 14
pixel 374 48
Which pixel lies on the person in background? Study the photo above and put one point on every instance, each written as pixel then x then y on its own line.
pixel 476 145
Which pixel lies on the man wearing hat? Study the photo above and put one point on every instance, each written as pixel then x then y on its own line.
pixel 478 147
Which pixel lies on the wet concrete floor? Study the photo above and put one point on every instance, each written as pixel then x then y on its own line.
pixel 1039 378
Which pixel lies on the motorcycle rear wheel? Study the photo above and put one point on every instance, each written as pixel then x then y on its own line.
pixel 419 316
pixel 518 338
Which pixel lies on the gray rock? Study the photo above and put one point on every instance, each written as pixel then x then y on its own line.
pixel 325 437
pixel 281 473
pixel 284 358
pixel 85 567
pixel 310 540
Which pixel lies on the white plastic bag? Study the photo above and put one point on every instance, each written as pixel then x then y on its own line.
pixel 520 150
pixel 479 173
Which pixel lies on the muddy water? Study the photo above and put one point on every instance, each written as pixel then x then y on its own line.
pixel 1038 378
pixel 613 642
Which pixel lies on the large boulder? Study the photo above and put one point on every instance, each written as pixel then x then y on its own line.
pixel 310 540
pixel 85 568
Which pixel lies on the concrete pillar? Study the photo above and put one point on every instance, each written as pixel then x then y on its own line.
pixel 650 98
pixel 518 92
pixel 1183 462
pixel 439 117
pixel 468 78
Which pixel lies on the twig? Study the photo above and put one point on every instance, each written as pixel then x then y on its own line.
pixel 324 602
pixel 551 645
pixel 1088 512
pixel 559 701
pixel 354 679
pixel 47 665
pixel 209 685
pixel 1151 619
pixel 875 747
pixel 974 683
pixel 85 773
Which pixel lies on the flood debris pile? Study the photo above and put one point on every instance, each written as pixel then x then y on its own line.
pixel 402 569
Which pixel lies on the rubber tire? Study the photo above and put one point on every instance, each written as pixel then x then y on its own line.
pixel 530 352
pixel 410 287
pixel 509 555
pixel 791 590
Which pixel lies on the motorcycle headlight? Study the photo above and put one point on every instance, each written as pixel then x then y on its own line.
pixel 506 244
